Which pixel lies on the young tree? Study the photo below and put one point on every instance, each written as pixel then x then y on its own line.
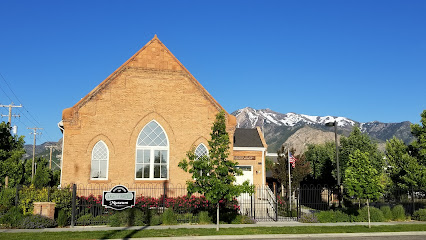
pixel 214 175
pixel 11 152
pixel 359 141
pixel 362 180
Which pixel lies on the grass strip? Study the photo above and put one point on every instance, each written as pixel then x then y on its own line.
pixel 211 231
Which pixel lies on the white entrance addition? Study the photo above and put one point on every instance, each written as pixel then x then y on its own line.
pixel 247 175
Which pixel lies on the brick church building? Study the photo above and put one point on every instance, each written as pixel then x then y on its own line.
pixel 137 124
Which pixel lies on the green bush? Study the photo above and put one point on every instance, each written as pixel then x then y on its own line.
pixel 243 219
pixel 28 195
pixel 62 218
pixel 7 198
pixel 332 216
pixel 115 220
pixel 420 215
pixel 387 213
pixel 186 218
pixel 398 213
pixel 12 218
pixel 375 215
pixel 308 218
pixel 204 218
pixel 155 220
pixel 169 217
pixel 37 222
pixel 85 219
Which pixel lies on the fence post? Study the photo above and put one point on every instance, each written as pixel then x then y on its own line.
pixel 48 194
pixel 254 206
pixel 298 204
pixel 17 195
pixel 164 196
pixel 412 201
pixel 276 205
pixel 74 196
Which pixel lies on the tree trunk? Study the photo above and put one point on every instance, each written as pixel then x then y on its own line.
pixel 368 210
pixel 217 217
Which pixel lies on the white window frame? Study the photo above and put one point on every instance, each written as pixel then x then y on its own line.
pixel 99 161
pixel 201 144
pixel 152 150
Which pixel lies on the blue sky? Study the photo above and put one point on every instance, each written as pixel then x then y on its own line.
pixel 365 60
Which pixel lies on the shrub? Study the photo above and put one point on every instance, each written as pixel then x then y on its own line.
pixel 85 219
pixel 420 215
pixel 204 218
pixel 114 220
pixel 375 215
pixel 37 222
pixel 7 198
pixel 308 218
pixel 169 217
pixel 387 213
pixel 186 218
pixel 62 199
pixel 28 195
pixel 12 218
pixel 398 213
pixel 155 220
pixel 332 216
pixel 243 219
pixel 62 218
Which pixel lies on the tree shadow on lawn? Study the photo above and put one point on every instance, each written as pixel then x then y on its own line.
pixel 110 234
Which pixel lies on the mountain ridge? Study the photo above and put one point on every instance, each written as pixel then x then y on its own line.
pixel 279 127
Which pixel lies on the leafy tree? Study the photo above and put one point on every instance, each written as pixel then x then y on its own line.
pixel 404 170
pixel 298 173
pixel 362 142
pixel 11 152
pixel 43 176
pixel 214 175
pixel 362 180
pixel 322 158
pixel 418 146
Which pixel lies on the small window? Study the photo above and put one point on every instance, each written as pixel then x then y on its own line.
pixel 100 156
pixel 201 151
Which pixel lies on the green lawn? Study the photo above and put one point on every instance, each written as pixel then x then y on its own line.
pixel 211 231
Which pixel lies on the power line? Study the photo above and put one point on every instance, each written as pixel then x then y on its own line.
pixel 35 122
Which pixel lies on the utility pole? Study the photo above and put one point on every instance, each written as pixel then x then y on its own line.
pixel 10 115
pixel 35 134
pixel 50 159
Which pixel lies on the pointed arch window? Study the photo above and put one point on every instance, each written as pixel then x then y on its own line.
pixel 100 157
pixel 152 153
pixel 201 151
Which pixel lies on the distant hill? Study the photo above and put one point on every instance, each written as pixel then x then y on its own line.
pixel 43 151
pixel 281 128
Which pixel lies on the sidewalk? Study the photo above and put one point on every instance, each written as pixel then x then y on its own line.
pixel 194 226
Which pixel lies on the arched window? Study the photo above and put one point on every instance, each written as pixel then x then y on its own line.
pixel 152 152
pixel 100 156
pixel 201 151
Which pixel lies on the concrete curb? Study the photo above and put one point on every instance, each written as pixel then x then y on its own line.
pixel 258 224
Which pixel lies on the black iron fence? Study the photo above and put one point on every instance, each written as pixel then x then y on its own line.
pixel 314 198
pixel 83 203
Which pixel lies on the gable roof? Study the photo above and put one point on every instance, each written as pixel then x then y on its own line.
pixel 160 58
pixel 248 137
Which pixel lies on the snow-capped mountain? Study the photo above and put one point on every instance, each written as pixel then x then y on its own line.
pixel 250 118
pixel 278 127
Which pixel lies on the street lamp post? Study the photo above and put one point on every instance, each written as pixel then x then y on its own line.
pixel 330 124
